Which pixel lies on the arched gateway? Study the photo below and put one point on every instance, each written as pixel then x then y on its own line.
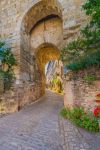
pixel 41 40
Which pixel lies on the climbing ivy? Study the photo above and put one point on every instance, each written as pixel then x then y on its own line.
pixel 7 61
pixel 85 51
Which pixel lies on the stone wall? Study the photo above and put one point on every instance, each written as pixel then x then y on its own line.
pixel 79 92
pixel 74 138
pixel 18 97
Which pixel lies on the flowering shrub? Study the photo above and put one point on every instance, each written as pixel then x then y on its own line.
pixel 97 112
pixel 80 118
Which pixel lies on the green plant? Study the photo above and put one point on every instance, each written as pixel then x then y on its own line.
pixel 89 78
pixel 64 112
pixel 7 61
pixel 89 122
pixel 77 112
pixel 87 61
pixel 80 118
pixel 84 52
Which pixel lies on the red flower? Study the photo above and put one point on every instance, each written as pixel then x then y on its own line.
pixel 97 112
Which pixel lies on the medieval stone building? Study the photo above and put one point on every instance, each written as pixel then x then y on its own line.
pixel 36 31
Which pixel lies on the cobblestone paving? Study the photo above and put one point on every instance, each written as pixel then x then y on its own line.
pixel 74 138
pixel 33 128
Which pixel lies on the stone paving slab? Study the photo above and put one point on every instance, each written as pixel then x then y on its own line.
pixel 73 138
pixel 34 127
pixel 37 127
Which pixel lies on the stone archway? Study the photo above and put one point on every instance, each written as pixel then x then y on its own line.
pixel 37 13
pixel 45 53
pixel 41 35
